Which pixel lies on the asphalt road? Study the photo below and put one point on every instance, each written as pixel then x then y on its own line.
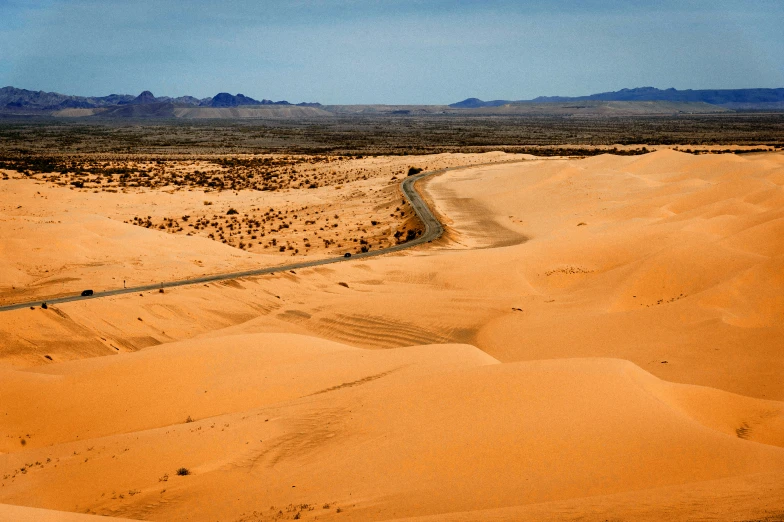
pixel 433 230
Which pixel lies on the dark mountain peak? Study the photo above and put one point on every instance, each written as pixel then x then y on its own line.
pixel 475 103
pixel 468 103
pixel 224 99
pixel 144 97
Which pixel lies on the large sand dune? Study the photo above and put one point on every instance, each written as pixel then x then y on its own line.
pixel 409 431
pixel 592 339
pixel 663 257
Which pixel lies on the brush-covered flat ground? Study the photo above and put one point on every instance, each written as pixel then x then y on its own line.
pixel 592 339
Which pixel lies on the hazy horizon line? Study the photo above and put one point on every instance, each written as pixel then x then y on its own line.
pixel 484 99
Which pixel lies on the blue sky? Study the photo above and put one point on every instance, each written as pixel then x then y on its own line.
pixel 395 51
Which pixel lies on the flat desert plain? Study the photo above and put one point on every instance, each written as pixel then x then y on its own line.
pixel 591 339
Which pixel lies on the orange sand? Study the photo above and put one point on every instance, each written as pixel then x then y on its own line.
pixel 592 339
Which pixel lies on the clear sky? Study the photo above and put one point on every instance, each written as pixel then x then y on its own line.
pixel 394 51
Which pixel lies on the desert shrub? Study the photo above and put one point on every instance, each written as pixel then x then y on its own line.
pixel 183 471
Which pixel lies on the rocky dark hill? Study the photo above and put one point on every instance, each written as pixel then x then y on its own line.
pixel 225 99
pixel 475 103
pixel 144 97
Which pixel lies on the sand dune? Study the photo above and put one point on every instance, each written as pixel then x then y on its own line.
pixel 401 432
pixel 673 262
pixel 227 374
pixel 737 498
pixel 592 339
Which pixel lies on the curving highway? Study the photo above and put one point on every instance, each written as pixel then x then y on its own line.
pixel 433 230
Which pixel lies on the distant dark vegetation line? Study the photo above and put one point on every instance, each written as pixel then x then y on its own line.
pixel 382 135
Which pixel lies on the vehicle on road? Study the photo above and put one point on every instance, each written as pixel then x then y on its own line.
pixel 347 254
pixel 85 293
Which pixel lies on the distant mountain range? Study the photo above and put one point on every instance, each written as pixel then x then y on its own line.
pixel 12 98
pixel 726 98
pixel 639 101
